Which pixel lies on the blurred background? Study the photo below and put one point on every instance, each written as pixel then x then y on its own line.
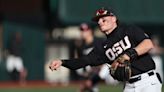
pixel 33 32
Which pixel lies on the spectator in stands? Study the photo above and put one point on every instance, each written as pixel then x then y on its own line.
pixel 91 75
pixel 88 74
pixel 14 61
pixel 156 53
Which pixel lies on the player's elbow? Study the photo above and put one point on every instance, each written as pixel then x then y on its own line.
pixel 149 45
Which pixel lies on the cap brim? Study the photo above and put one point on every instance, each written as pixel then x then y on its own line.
pixel 96 18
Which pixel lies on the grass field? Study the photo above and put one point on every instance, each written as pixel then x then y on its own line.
pixel 47 88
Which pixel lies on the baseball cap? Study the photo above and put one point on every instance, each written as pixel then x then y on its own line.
pixel 102 12
pixel 84 27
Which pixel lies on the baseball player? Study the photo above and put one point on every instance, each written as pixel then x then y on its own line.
pixel 125 49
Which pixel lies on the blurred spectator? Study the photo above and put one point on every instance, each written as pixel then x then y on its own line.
pixel 14 61
pixel 91 75
pixel 156 55
pixel 105 75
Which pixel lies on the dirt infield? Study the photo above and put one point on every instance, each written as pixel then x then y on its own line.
pixel 35 84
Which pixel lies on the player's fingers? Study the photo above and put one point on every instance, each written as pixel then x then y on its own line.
pixel 55 66
pixel 50 68
pixel 121 65
pixel 115 67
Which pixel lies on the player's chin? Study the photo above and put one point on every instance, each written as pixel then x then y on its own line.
pixel 103 30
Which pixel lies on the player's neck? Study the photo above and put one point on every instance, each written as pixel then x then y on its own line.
pixel 111 30
pixel 89 40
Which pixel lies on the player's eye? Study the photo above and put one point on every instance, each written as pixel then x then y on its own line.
pixel 103 20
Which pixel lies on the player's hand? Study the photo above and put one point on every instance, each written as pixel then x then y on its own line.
pixel 55 64
pixel 114 65
pixel 120 61
pixel 126 57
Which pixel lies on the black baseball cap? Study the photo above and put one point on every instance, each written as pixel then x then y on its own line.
pixel 102 12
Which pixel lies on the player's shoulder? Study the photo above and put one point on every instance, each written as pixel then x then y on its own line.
pixel 98 43
pixel 133 27
pixel 98 40
pixel 130 27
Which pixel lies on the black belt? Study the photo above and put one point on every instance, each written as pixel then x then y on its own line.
pixel 139 77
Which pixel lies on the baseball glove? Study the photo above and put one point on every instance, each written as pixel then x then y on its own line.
pixel 121 69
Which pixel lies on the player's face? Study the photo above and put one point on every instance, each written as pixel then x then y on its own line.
pixel 86 34
pixel 107 23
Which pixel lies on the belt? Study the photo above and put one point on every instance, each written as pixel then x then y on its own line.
pixel 139 77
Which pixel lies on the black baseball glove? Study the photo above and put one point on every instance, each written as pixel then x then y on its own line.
pixel 121 69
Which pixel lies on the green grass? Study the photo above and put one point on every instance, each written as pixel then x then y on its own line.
pixel 103 88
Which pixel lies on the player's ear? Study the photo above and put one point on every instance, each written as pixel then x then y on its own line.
pixel 114 19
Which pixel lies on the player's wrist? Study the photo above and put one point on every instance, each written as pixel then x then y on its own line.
pixel 63 62
pixel 126 57
pixel 132 54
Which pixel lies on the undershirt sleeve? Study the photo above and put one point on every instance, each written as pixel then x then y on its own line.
pixel 94 58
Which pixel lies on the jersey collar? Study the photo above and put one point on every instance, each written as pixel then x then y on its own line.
pixel 113 33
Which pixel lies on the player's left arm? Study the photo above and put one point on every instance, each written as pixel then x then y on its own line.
pixel 142 40
pixel 143 47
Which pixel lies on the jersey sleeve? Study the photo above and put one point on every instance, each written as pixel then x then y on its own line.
pixel 94 58
pixel 137 34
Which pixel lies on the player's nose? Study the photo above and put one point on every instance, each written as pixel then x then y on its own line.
pixel 100 22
